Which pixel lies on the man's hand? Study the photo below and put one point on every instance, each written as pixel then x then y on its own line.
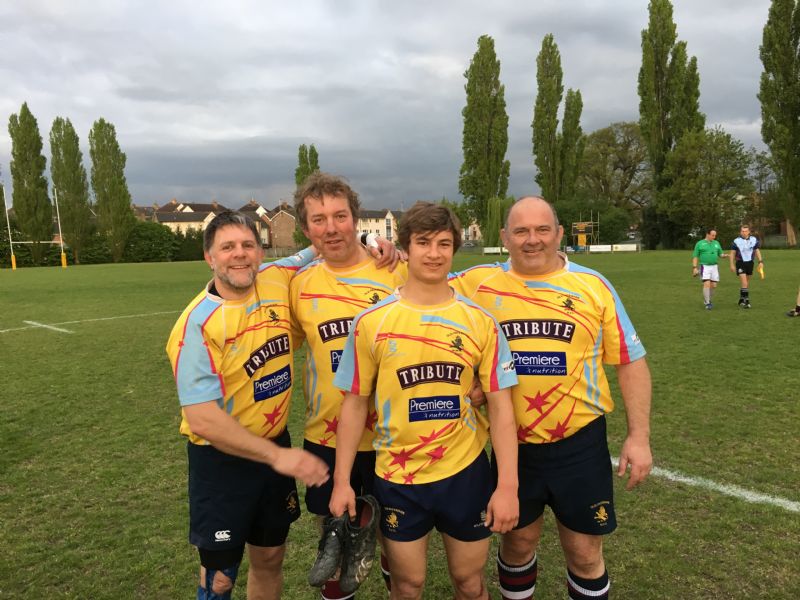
pixel 343 499
pixel 476 396
pixel 386 254
pixel 636 453
pixel 296 462
pixel 502 513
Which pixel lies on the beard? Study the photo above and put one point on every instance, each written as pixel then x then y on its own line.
pixel 243 283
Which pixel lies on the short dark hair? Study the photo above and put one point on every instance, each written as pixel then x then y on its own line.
pixel 320 184
pixel 428 217
pixel 223 219
pixel 710 229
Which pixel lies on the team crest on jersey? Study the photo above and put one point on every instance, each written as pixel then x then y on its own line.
pixel 540 363
pixel 335 328
pixel 441 372
pixel 277 346
pixel 434 408
pixel 568 304
pixel 600 513
pixel 548 329
pixel 456 343
pixel 273 384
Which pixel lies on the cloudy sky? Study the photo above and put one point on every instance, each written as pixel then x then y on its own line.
pixel 212 100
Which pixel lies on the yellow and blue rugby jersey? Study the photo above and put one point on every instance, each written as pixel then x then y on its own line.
pixel 561 328
pixel 324 301
pixel 420 362
pixel 239 353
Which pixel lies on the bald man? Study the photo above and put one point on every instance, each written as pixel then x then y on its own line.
pixel 562 321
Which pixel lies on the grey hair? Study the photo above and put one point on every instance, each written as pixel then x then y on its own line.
pixel 223 219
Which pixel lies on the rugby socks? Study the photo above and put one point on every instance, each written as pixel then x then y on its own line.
pixel 332 591
pixel 588 589
pixel 387 579
pixel 707 295
pixel 517 582
pixel 744 295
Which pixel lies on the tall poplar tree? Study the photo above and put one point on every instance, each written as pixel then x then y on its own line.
pixel 780 100
pixel 70 185
pixel 669 106
pixel 555 154
pixel 307 163
pixel 313 159
pixel 32 207
pixel 484 172
pixel 112 199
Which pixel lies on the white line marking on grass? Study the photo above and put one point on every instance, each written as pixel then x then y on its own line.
pixel 35 324
pixel 166 312
pixel 729 490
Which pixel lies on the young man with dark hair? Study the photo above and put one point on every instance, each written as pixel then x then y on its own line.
pixel 707 253
pixel 563 322
pixel 744 248
pixel 325 296
pixel 418 352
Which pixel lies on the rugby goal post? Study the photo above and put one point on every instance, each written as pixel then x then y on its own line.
pixel 12 242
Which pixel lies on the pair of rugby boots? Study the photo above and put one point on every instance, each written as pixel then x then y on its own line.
pixel 347 545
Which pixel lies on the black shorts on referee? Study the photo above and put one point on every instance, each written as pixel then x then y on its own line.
pixel 233 501
pixel 361 477
pixel 744 267
pixel 573 477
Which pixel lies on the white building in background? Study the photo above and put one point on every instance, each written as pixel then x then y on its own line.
pixel 383 222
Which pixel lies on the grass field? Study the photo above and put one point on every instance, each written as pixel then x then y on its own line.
pixel 93 471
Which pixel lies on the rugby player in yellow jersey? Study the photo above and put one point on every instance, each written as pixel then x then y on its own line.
pixel 324 297
pixel 231 354
pixel 562 322
pixel 417 352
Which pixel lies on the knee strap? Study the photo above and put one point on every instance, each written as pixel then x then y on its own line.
pixel 208 592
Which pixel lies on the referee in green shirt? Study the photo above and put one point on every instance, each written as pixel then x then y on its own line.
pixel 705 257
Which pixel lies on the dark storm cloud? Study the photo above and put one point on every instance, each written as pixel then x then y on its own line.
pixel 212 101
